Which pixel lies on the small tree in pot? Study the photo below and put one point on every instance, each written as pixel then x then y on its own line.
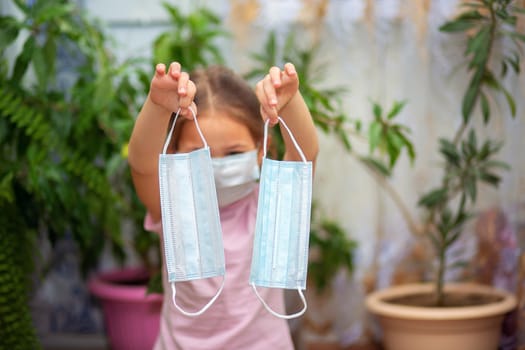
pixel 467 162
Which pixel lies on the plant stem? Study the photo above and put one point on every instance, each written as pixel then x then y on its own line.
pixel 396 198
pixel 440 295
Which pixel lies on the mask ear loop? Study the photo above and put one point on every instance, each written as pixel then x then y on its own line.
pixel 201 311
pixel 296 145
pixel 303 158
pixel 173 289
pixel 168 138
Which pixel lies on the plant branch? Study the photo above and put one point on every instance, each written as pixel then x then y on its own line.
pixel 413 226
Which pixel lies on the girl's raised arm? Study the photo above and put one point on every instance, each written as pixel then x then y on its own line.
pixel 169 91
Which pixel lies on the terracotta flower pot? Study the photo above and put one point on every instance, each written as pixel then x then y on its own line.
pixel 440 328
pixel 132 318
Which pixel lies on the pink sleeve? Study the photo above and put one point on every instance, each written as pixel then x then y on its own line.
pixel 150 225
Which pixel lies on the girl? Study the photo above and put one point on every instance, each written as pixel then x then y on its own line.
pixel 231 117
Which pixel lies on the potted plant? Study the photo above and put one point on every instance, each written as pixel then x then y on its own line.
pixel 66 111
pixel 458 316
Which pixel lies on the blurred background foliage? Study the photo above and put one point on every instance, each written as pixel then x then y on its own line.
pixel 66 114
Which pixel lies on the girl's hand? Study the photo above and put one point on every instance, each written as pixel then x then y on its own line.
pixel 275 90
pixel 173 89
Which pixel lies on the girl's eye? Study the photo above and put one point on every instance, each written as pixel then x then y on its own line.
pixel 232 153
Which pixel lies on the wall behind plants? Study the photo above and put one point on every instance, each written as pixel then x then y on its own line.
pixel 382 51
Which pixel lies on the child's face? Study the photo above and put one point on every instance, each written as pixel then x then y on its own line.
pixel 225 136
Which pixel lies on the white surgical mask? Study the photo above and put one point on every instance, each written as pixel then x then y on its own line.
pixel 191 225
pixel 235 176
pixel 282 227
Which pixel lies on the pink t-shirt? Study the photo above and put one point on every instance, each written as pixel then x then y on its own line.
pixel 237 319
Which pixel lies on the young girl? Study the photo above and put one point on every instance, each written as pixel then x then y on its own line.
pixel 231 117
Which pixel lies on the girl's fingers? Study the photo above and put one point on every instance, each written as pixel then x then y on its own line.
pixel 186 99
pixel 160 69
pixel 289 75
pixel 187 112
pixel 269 91
pixel 275 76
pixel 175 70
pixel 265 98
pixel 289 68
pixel 269 113
pixel 184 79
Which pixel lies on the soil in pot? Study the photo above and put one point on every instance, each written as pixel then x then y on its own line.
pixel 455 299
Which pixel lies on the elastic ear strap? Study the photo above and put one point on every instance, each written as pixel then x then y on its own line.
pixel 286 317
pixel 201 311
pixel 168 138
pixel 301 154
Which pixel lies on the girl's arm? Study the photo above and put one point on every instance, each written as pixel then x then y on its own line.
pixel 279 95
pixel 169 91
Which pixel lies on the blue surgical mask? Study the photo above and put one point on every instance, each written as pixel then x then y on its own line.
pixel 235 176
pixel 191 226
pixel 282 228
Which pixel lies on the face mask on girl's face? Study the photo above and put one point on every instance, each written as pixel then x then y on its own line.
pixel 235 176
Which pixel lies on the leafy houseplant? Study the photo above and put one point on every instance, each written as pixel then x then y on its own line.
pixel 61 137
pixel 191 40
pixel 467 161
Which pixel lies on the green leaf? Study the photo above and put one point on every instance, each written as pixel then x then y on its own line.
pixel 479 45
pixel 396 109
pixel 490 80
pixel 510 101
pixel 343 137
pixel 472 141
pixel 53 11
pixel 50 55
pixel 470 15
pixel 374 135
pixel 410 147
pixel 448 149
pixel 434 198
pixel 490 178
pixel 22 5
pixel 471 95
pixel 470 188
pixel 514 62
pixel 452 237
pixel 378 111
pixel 485 108
pixel 496 164
pixel 376 165
pixel 41 68
pixel 467 151
pixel 9 28
pixel 394 144
pixel 23 59
pixel 504 69
pixel 457 26
pixel 358 125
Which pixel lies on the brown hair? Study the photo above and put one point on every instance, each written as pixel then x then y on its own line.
pixel 220 89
